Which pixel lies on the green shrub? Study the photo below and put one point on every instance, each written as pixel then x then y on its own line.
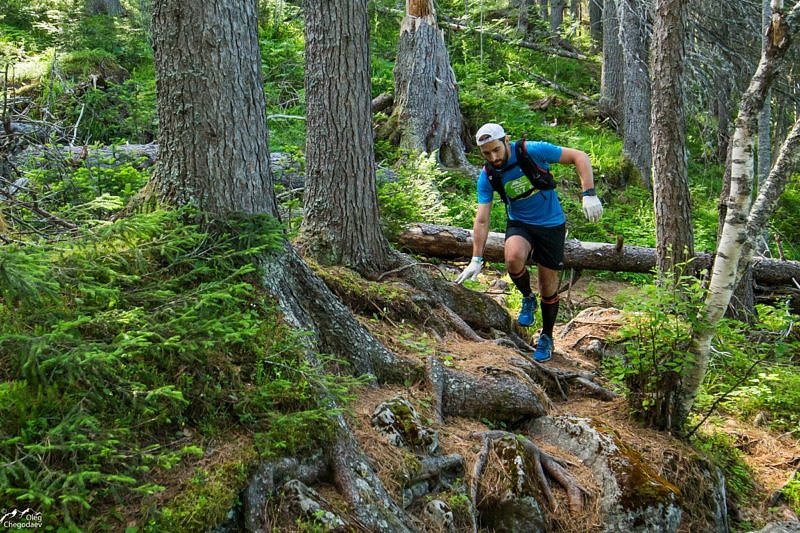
pixel 752 371
pixel 414 195
pixel 792 493
pixel 739 480
pixel 89 192
pixel 785 222
pixel 81 63
pixel 656 338
pixel 112 344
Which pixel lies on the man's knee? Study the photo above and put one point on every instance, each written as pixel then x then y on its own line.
pixel 515 266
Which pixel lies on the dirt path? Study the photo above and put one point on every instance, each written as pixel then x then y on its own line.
pixel 772 457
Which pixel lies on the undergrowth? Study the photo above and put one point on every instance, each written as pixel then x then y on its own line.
pixel 115 342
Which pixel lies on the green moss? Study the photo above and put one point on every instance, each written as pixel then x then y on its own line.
pixel 641 486
pixel 207 496
pixel 368 297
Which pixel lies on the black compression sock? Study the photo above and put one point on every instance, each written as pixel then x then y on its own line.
pixel 549 308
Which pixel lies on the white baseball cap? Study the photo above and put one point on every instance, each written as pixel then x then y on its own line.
pixel 489 132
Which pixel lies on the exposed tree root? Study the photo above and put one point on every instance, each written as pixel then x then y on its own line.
pixel 361 487
pixel 477 474
pixel 435 372
pixel 307 304
pixel 436 466
pixel 542 462
pixel 498 394
pixel 460 326
pixel 557 379
pixel 265 482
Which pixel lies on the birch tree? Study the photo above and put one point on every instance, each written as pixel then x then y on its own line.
pixel 745 219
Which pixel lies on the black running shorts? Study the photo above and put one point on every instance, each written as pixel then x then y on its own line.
pixel 547 244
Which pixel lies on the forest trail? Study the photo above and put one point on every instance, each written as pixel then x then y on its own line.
pixel 773 458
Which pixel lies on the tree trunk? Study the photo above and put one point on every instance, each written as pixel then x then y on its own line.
pixel 742 223
pixel 522 18
pixel 765 116
pixel 596 23
pixel 742 305
pixel 445 242
pixel 674 236
pixel 611 77
pixel 722 112
pixel 636 108
pixel 426 93
pixel 197 52
pixel 557 17
pixel 543 9
pixel 112 8
pixel 340 225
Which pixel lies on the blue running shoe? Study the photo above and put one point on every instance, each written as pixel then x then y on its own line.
pixel 544 349
pixel 526 314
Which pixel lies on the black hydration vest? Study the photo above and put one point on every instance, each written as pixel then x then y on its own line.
pixel 540 178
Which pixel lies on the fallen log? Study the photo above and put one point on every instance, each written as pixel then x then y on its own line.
pixel 446 242
pixel 140 155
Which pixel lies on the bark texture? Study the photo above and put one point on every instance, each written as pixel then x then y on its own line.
pixel 340 203
pixel 633 31
pixel 611 78
pixel 557 16
pixel 596 23
pixel 522 17
pixel 112 8
pixel 426 93
pixel 209 127
pixel 674 236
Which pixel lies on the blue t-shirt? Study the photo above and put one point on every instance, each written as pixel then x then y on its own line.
pixel 542 208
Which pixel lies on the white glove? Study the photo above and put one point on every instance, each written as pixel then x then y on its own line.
pixel 472 270
pixel 592 208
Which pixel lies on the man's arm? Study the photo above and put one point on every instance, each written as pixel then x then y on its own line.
pixel 480 232
pixel 592 208
pixel 583 166
pixel 480 229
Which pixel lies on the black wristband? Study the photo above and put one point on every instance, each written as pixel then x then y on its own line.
pixel 589 192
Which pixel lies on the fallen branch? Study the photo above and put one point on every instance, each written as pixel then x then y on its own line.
pixel 503 39
pixel 560 88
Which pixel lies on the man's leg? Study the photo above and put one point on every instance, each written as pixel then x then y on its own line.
pixel 517 249
pixel 548 290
